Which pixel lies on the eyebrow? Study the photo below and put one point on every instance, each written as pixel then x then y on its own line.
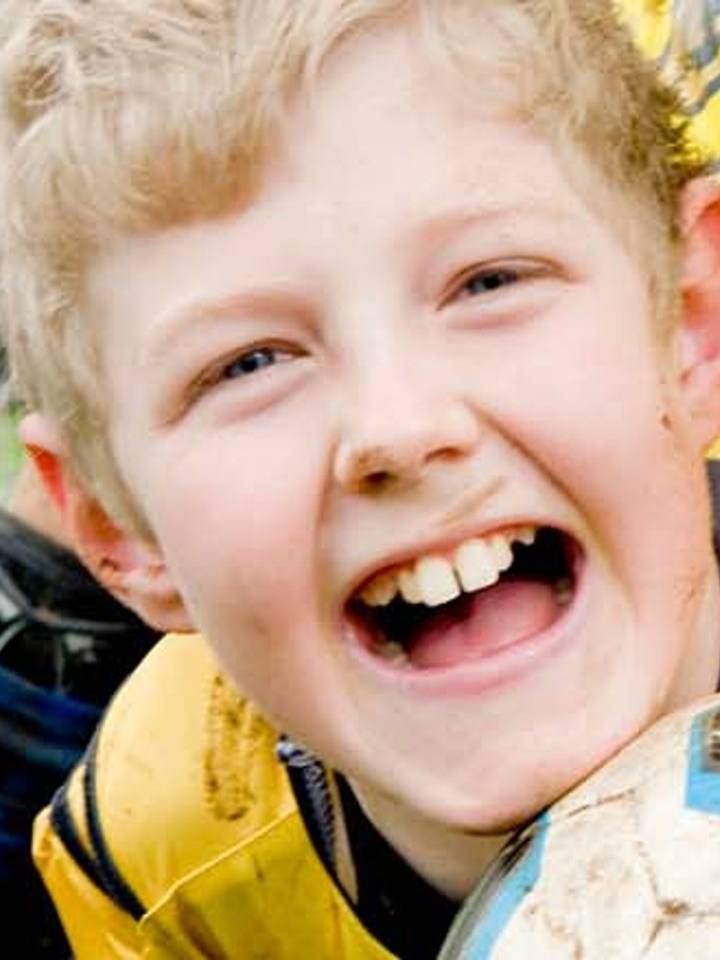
pixel 175 322
pixel 442 224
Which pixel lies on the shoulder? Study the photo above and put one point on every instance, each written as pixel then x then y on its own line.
pixel 184 770
pixel 198 823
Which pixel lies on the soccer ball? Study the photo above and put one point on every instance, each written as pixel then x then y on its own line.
pixel 626 866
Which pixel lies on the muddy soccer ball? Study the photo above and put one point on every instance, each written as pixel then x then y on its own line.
pixel 626 866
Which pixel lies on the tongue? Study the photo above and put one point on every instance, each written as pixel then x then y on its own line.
pixel 483 623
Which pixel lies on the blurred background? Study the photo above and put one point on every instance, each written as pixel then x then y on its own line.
pixel 9 449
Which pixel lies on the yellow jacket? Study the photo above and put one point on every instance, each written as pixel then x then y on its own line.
pixel 201 823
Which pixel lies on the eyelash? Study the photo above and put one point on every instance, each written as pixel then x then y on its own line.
pixel 222 371
pixel 495 278
pixel 501 275
pixel 244 360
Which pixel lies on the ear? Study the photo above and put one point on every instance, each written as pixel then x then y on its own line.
pixel 131 568
pixel 699 329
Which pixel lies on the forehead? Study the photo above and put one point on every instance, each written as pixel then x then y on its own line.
pixel 390 136
pixel 384 113
pixel 386 154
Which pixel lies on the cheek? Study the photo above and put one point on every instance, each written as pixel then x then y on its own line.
pixel 606 429
pixel 234 512
pixel 582 393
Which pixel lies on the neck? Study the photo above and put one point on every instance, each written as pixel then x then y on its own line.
pixel 451 861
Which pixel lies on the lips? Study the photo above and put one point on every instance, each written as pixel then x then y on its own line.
pixel 467 604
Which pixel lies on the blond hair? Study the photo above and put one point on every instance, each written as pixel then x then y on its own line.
pixel 124 116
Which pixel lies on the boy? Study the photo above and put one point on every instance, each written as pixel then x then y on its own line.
pixel 380 341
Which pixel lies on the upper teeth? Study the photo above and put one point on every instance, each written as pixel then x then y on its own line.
pixel 436 579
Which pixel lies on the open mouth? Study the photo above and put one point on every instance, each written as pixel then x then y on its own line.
pixel 489 593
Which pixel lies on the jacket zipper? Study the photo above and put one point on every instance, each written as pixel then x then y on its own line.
pixel 309 783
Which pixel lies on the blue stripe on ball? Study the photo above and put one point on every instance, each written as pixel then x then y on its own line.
pixel 509 894
pixel 702 786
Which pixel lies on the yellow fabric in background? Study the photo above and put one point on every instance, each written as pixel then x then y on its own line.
pixel 683 38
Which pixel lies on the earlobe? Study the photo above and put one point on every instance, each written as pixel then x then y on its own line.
pixel 127 566
pixel 130 568
pixel 699 327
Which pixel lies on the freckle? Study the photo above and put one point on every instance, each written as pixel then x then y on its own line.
pixel 666 422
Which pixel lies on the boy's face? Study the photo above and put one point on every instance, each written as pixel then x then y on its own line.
pixel 418 335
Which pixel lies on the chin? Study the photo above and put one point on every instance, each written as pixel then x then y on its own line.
pixel 494 806
pixel 477 819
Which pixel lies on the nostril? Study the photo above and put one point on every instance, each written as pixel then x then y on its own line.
pixel 377 479
pixel 372 469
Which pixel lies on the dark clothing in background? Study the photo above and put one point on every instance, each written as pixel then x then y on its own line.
pixel 65 645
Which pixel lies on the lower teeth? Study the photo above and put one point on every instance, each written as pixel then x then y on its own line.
pixel 392 651
pixel 563 592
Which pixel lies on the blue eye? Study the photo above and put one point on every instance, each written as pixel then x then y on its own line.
pixel 251 362
pixel 486 281
pixel 247 372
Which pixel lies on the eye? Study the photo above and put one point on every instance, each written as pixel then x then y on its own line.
pixel 252 361
pixel 489 280
pixel 244 365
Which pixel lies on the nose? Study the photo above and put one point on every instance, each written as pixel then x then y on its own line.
pixel 396 433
